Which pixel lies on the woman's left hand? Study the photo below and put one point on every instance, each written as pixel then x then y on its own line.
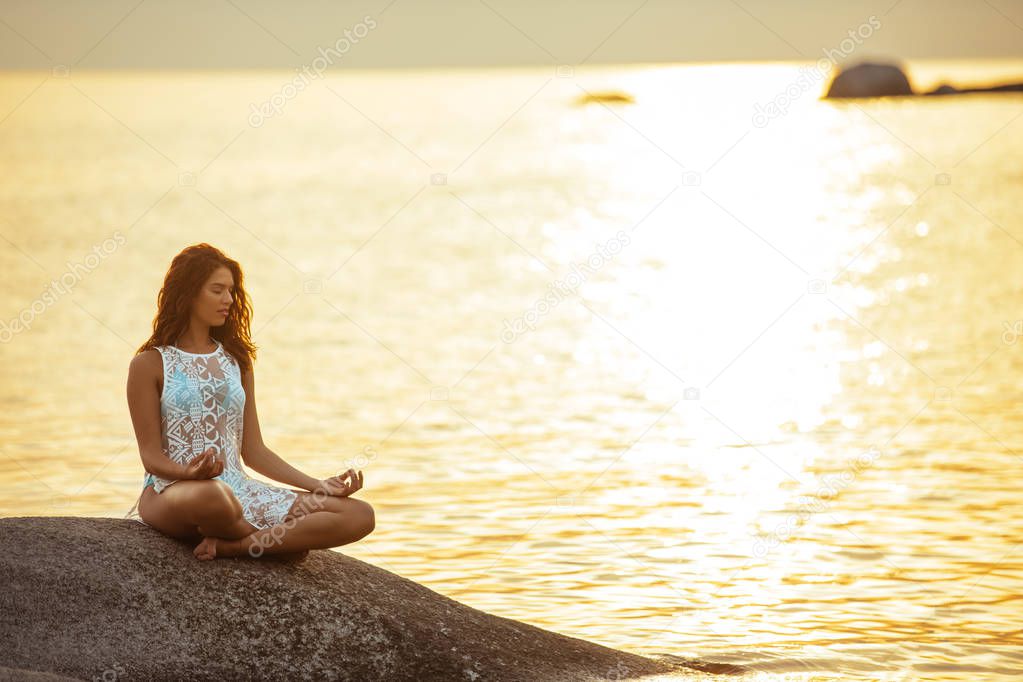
pixel 343 485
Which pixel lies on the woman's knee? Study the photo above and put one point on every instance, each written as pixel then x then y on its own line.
pixel 214 498
pixel 361 517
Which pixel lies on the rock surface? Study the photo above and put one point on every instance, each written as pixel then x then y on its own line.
pixel 111 599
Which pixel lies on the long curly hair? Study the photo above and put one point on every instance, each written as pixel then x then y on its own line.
pixel 184 280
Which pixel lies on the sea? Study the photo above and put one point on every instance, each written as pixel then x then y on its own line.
pixel 682 359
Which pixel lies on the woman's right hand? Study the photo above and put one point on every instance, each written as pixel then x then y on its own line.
pixel 203 466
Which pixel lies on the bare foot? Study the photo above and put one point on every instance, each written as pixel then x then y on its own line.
pixel 210 548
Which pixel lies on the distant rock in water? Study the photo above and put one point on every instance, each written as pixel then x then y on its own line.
pixel 946 89
pixel 99 599
pixel 608 97
pixel 871 79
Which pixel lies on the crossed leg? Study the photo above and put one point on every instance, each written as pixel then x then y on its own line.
pixel 315 521
pixel 207 511
pixel 189 510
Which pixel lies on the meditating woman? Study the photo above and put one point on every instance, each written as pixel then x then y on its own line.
pixel 191 395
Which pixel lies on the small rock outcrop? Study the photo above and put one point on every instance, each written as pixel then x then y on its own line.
pixel 870 79
pixel 609 97
pixel 111 599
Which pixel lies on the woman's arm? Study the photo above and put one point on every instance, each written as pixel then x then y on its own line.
pixel 257 455
pixel 268 463
pixel 144 405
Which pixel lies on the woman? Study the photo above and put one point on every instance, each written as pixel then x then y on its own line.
pixel 191 394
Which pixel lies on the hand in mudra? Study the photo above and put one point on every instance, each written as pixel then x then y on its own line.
pixel 343 485
pixel 206 465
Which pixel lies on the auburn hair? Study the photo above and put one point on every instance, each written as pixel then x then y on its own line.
pixel 184 280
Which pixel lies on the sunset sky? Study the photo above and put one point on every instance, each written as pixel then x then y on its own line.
pixel 408 33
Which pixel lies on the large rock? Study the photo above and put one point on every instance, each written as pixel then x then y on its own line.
pixel 111 599
pixel 870 79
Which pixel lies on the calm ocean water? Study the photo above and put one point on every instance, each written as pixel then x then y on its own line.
pixel 665 376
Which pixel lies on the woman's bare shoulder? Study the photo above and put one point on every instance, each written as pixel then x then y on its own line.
pixel 148 361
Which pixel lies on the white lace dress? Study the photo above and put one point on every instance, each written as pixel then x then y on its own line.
pixel 202 406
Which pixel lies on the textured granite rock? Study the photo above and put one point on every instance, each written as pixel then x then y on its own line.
pixel 110 599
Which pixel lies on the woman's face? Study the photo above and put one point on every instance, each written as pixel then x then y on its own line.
pixel 214 301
